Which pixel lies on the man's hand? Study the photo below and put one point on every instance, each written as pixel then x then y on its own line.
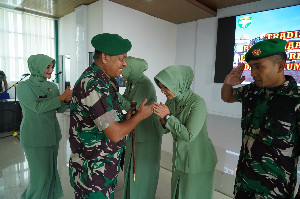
pixel 145 111
pixel 128 114
pixel 234 77
pixel 119 130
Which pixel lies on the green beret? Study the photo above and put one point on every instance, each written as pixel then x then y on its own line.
pixel 265 48
pixel 111 44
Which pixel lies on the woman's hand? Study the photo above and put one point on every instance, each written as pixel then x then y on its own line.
pixel 67 95
pixel 161 110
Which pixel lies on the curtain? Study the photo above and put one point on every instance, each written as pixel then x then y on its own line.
pixel 22 35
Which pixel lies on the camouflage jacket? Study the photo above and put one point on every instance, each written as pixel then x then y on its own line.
pixel 94 162
pixel 269 153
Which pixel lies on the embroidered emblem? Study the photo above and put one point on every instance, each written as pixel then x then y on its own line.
pixel 256 52
pixel 181 108
pixel 49 89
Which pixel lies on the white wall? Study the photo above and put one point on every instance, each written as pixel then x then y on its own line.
pixel 205 52
pixel 66 40
pixel 152 39
pixel 94 22
pixel 67 34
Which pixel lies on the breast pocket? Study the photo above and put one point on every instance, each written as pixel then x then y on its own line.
pixel 281 115
pixel 278 127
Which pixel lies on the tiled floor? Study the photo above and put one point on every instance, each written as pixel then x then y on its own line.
pixel 14 173
pixel 14 176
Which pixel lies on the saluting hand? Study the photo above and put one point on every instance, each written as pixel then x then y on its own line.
pixel 234 77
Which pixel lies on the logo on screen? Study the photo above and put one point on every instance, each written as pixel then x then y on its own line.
pixel 245 22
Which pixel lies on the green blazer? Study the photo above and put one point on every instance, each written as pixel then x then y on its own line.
pixel 193 151
pixel 139 87
pixel 39 102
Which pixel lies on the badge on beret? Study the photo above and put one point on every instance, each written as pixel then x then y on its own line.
pixel 265 48
pixel 256 52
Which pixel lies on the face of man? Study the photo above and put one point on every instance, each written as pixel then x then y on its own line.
pixel 166 91
pixel 114 64
pixel 49 70
pixel 266 73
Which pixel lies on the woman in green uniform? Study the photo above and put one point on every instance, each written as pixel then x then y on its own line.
pixel 147 135
pixel 39 132
pixel 184 115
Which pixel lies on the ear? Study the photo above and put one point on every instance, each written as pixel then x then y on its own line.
pixel 104 58
pixel 281 66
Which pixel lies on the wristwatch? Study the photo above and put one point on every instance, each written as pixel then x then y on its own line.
pixel 167 117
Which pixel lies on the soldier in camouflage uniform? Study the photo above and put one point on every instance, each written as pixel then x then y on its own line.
pixel 97 129
pixel 267 166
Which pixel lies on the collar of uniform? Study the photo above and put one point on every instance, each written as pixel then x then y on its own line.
pixel 288 87
pixel 100 72
pixel 95 67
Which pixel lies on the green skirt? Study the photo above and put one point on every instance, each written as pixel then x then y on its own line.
pixel 147 165
pixel 192 186
pixel 44 180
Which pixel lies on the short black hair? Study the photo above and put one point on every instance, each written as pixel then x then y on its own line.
pixel 279 57
pixel 97 54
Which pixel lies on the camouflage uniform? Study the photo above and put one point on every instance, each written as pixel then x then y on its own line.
pixel 94 162
pixel 267 166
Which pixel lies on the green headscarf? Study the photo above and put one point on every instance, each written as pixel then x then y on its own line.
pixel 135 68
pixel 37 65
pixel 178 79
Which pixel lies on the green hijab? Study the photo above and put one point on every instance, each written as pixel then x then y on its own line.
pixel 37 65
pixel 178 79
pixel 134 69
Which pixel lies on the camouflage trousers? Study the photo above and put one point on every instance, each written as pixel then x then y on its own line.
pixel 97 195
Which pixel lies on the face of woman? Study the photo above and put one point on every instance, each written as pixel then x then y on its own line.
pixel 49 70
pixel 166 91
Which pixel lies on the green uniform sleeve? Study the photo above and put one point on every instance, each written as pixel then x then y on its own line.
pixel 124 102
pixel 164 130
pixel 63 107
pixel 27 97
pixel 194 122
pixel 144 91
pixel 160 127
pixel 240 92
